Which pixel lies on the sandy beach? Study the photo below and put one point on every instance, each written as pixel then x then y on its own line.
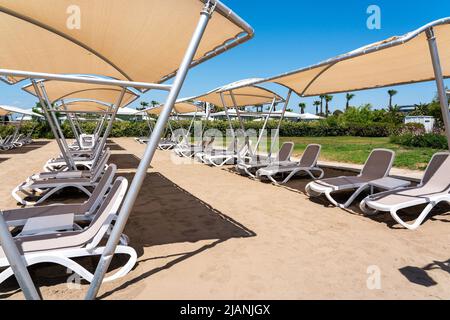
pixel 208 233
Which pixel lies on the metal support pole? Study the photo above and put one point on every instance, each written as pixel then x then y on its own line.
pixel 72 125
pixel 110 125
pixel 16 132
pixel 265 124
pixel 434 51
pixel 225 107
pixel 241 122
pixel 50 121
pixel 68 157
pixel 152 145
pixel 277 132
pixel 17 262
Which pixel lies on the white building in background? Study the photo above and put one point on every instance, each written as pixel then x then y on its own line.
pixel 427 121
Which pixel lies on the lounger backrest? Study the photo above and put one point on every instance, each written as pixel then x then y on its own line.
pixel 378 164
pixel 440 180
pixel 100 165
pixel 100 190
pixel 310 156
pixel 284 154
pixel 90 236
pixel 435 163
pixel 232 145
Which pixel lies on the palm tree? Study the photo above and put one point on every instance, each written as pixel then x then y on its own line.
pixel 328 99
pixel 391 93
pixel 143 106
pixel 302 107
pixel 154 103
pixel 322 96
pixel 317 104
pixel 348 96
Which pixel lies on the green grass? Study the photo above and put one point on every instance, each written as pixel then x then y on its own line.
pixel 357 149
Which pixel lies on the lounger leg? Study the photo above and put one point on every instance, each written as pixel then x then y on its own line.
pixel 366 210
pixel 353 197
pixel 311 193
pixel 53 191
pixel 418 221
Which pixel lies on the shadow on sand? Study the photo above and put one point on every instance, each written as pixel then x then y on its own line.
pixel 163 214
pixel 26 148
pixel 420 276
pixel 125 161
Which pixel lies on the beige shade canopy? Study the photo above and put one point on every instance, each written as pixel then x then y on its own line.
pixel 179 108
pixel 139 40
pixel 85 106
pixel 398 60
pixel 59 90
pixel 245 94
pixel 6 110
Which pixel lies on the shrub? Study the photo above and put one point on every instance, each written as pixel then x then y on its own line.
pixel 288 128
pixel 426 140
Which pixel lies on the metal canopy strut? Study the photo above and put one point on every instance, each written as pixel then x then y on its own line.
pixel 443 100
pixel 152 145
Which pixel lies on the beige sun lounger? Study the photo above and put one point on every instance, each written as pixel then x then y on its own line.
pixel 433 189
pixel 45 188
pixel 307 164
pixel 83 211
pixel 101 164
pixel 222 158
pixel 62 246
pixel 210 151
pixel 376 167
pixel 251 165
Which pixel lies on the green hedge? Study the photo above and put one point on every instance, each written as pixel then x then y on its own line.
pixel 427 140
pixel 288 128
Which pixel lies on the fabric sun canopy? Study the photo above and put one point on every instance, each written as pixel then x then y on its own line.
pixel 180 108
pixel 59 90
pixel 142 40
pixel 88 106
pixel 398 60
pixel 245 94
pixel 6 110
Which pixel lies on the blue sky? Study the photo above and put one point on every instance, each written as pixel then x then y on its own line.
pixel 291 34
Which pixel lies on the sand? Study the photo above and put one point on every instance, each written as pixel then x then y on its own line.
pixel 208 233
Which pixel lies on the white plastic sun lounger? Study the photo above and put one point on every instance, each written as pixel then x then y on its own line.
pixel 82 211
pixel 200 156
pixel 102 163
pixel 433 189
pixel 62 246
pixel 307 164
pixel 220 159
pixel 43 189
pixel 249 166
pixel 59 164
pixel 189 151
pixel 376 167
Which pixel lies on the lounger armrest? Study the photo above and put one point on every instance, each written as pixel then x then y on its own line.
pixel 72 174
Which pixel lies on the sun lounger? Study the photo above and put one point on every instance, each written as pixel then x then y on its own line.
pixel 376 167
pixel 45 188
pixel 189 151
pixel 101 163
pixel 433 189
pixel 61 244
pixel 307 164
pixel 81 161
pixel 200 156
pixel 219 159
pixel 250 166
pixel 83 211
